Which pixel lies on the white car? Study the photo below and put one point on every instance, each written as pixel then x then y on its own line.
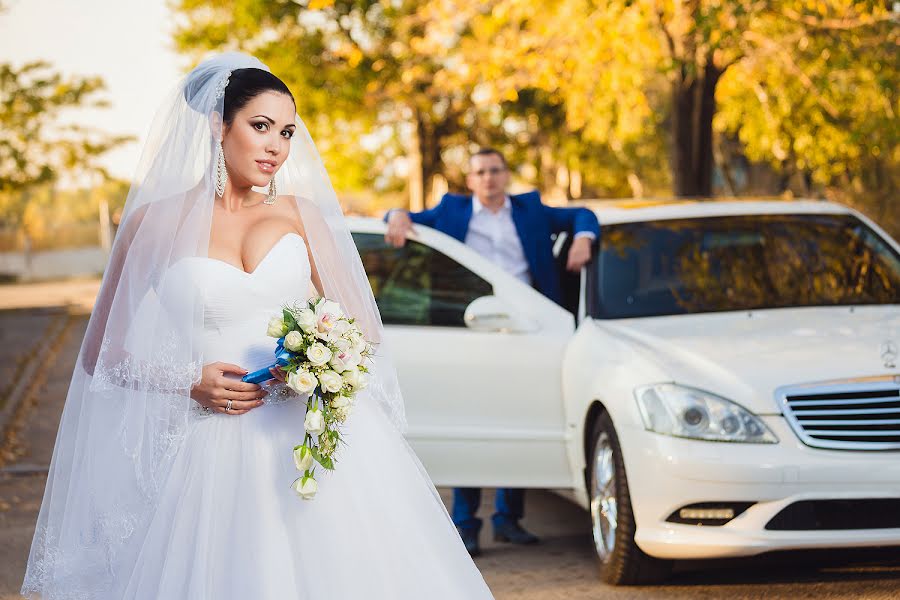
pixel 724 382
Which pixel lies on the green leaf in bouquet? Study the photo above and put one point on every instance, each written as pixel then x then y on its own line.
pixel 325 461
pixel 289 319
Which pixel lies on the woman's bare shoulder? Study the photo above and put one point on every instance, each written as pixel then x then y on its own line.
pixel 302 212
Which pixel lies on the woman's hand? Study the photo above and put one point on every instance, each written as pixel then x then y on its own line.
pixel 278 374
pixel 225 394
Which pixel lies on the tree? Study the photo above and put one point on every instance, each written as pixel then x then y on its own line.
pixel 633 66
pixel 34 148
pixel 363 65
pixel 817 99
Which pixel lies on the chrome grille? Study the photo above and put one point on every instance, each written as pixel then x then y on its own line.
pixel 845 416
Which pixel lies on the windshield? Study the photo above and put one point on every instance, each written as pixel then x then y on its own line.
pixel 740 263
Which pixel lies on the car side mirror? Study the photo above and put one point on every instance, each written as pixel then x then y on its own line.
pixel 490 313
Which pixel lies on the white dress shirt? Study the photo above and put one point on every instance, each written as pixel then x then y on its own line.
pixel 494 236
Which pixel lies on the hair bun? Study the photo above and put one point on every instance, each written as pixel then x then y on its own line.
pixel 199 85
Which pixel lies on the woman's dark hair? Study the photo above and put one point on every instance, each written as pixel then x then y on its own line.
pixel 246 84
pixel 243 86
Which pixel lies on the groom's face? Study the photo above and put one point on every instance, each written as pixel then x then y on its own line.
pixel 488 176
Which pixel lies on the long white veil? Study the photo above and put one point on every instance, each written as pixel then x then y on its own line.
pixel 129 401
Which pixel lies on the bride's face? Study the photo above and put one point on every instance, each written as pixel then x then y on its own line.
pixel 258 139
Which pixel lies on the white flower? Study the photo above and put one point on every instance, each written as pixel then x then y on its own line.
pixel 314 422
pixel 324 305
pixel 353 360
pixel 328 313
pixel 351 377
pixel 339 361
pixel 302 382
pixel 306 487
pixel 331 381
pixel 341 328
pixel 342 344
pixel 306 320
pixel 318 354
pixel 358 344
pixel 277 327
pixel 303 458
pixel 340 402
pixel 293 341
pixel 363 381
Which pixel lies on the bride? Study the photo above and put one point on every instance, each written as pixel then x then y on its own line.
pixel 171 478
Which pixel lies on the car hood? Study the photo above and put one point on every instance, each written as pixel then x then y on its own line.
pixel 745 356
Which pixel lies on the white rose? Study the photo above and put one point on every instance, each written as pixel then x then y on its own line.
pixel 293 341
pixel 340 402
pixel 351 377
pixel 306 487
pixel 318 354
pixel 277 327
pixel 331 381
pixel 314 422
pixel 303 458
pixel 363 381
pixel 306 320
pixel 302 382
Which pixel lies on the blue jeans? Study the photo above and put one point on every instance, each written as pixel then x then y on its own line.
pixel 509 505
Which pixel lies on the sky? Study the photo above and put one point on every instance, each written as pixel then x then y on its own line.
pixel 126 42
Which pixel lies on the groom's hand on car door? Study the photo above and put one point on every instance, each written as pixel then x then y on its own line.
pixel 579 254
pixel 215 390
pixel 399 226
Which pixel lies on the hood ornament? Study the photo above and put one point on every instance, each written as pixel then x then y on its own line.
pixel 889 354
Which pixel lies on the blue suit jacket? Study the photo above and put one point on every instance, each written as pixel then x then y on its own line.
pixel 534 221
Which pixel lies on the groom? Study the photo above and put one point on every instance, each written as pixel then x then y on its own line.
pixel 513 232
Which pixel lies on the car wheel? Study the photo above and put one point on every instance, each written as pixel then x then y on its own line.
pixel 620 560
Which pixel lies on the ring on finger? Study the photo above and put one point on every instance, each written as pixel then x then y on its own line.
pixel 228 405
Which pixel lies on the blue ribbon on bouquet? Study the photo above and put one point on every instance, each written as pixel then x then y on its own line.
pixel 282 356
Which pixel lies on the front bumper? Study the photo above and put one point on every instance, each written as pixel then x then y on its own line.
pixel 666 474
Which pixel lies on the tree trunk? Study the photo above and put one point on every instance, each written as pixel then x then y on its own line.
pixel 415 182
pixel 692 142
pixel 428 161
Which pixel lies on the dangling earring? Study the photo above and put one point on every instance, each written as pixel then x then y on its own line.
pixel 273 193
pixel 221 171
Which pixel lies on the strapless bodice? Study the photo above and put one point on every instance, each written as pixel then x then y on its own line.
pixel 237 305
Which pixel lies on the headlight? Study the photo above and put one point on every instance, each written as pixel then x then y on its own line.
pixel 686 412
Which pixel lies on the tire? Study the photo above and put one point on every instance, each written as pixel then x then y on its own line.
pixel 619 559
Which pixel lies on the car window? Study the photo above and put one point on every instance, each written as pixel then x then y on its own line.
pixel 416 284
pixel 741 263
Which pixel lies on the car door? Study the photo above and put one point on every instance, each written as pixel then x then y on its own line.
pixel 484 407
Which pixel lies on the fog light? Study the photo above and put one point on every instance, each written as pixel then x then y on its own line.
pixel 706 514
pixel 712 514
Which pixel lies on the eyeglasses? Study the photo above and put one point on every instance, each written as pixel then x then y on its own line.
pixel 491 171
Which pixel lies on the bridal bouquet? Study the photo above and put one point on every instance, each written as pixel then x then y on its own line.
pixel 322 352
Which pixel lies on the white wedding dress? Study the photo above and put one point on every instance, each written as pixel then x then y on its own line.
pixel 228 525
